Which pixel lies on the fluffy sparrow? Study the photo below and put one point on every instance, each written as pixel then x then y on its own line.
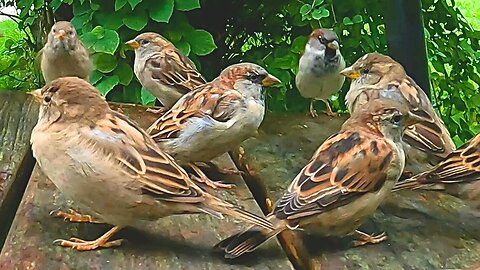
pixel 349 175
pixel 64 54
pixel 80 143
pixel 215 117
pixel 376 76
pixel 461 166
pixel 162 69
pixel 318 73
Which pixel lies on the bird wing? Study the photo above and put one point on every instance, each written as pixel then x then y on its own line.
pixel 346 166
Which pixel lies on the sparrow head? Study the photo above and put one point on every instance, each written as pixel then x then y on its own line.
pixel 373 67
pixel 324 39
pixel 247 78
pixel 388 117
pixel 63 36
pixel 148 42
pixel 69 98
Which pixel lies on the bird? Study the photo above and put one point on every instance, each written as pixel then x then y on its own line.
pixel 377 76
pixel 103 161
pixel 460 166
pixel 215 117
pixel 162 69
pixel 318 71
pixel 347 178
pixel 64 54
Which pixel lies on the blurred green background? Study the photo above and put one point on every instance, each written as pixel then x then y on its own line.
pixel 272 33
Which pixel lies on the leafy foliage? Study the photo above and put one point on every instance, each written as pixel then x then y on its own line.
pixel 272 33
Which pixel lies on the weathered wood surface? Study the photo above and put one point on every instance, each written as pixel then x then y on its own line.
pixel 181 242
pixel 16 161
pixel 426 229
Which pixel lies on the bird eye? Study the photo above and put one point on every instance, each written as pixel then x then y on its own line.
pixel 144 42
pixel 53 30
pixel 396 119
pixel 365 71
pixel 70 32
pixel 47 99
pixel 322 40
pixel 254 77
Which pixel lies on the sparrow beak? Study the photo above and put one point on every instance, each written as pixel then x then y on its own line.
pixel 37 94
pixel 333 45
pixel 60 35
pixel 270 80
pixel 133 44
pixel 350 73
pixel 413 118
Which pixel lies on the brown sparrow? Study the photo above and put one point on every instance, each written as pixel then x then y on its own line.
pixel 461 166
pixel 349 175
pixel 215 117
pixel 318 72
pixel 64 54
pixel 162 69
pixel 105 162
pixel 377 76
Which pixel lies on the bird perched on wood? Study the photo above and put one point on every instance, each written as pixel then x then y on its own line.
pixel 349 175
pixel 460 166
pixel 162 69
pixel 318 72
pixel 376 76
pixel 215 117
pixel 102 160
pixel 64 54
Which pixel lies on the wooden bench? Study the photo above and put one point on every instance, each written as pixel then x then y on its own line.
pixel 181 242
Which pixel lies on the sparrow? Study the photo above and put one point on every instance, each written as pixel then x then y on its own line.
pixel 64 54
pixel 162 69
pixel 376 76
pixel 349 175
pixel 460 166
pixel 318 71
pixel 103 161
pixel 215 117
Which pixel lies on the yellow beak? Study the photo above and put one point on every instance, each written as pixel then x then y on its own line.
pixel 270 80
pixel 415 118
pixel 37 94
pixel 350 73
pixel 332 45
pixel 60 35
pixel 133 44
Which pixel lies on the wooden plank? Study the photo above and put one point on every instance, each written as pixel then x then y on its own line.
pixel 16 161
pixel 426 229
pixel 181 242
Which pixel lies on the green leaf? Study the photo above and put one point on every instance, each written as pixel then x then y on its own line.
pixel 147 97
pixel 357 19
pixel 347 21
pixel 162 11
pixel 186 5
pixel 184 47
pixel 95 77
pixel 305 9
pixel 55 4
pixel 124 72
pixel 107 84
pixel 120 4
pixel 110 20
pixel 104 62
pixel 134 3
pixel 102 40
pixel 136 20
pixel 298 44
pixel 201 42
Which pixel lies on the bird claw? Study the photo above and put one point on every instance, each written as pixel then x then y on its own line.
pixel 82 245
pixel 211 183
pixel 73 216
pixel 364 239
pixel 160 110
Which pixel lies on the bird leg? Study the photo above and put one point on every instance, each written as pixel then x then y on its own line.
pixel 329 111
pixel 73 216
pixel 364 238
pixel 224 170
pixel 160 110
pixel 83 245
pixel 202 178
pixel 313 112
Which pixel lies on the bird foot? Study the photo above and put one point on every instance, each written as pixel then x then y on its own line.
pixel 83 245
pixel 211 183
pixel 364 239
pixel 313 113
pixel 331 113
pixel 160 110
pixel 73 216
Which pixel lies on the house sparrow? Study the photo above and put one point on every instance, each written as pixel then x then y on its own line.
pixel 215 117
pixel 349 175
pixel 318 73
pixel 376 76
pixel 105 162
pixel 461 166
pixel 64 54
pixel 162 69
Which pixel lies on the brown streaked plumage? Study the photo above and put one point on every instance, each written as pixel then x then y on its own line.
pixel 64 54
pixel 347 178
pixel 376 76
pixel 105 162
pixel 215 117
pixel 461 166
pixel 162 69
